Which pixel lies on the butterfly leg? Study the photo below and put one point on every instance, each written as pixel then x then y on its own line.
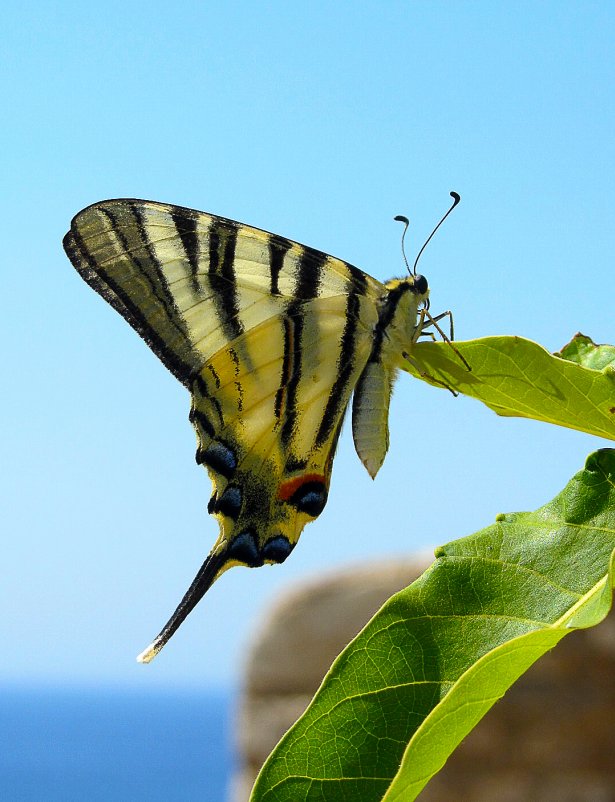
pixel 433 321
pixel 426 375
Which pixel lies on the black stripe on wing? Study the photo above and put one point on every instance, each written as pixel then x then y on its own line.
pixel 200 417
pixel 200 387
pixel 340 392
pixel 187 229
pixel 98 277
pixel 287 365
pixel 278 248
pixel 309 275
pixel 222 242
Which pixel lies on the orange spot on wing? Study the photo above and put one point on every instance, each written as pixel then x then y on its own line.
pixel 288 489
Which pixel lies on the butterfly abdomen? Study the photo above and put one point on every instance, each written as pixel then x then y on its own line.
pixel 370 415
pixel 394 335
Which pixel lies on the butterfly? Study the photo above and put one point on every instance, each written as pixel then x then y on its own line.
pixel 271 338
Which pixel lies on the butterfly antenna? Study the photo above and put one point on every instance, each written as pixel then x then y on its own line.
pixel 456 198
pixel 401 219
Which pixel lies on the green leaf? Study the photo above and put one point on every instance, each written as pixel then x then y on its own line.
pixel 584 351
pixel 435 658
pixel 517 377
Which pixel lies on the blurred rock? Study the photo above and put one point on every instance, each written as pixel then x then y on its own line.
pixel 551 739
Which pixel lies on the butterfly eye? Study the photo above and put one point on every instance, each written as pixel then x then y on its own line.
pixel 277 549
pixel 244 549
pixel 420 285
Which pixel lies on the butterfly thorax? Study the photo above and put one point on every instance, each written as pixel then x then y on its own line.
pixel 399 313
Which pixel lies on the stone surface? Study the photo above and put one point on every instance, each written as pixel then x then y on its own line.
pixel 551 739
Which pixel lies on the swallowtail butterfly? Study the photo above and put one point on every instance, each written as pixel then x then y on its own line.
pixel 271 339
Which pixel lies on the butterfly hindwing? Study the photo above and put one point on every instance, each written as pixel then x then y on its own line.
pixel 267 416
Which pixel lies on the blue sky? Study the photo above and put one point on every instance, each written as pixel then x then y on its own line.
pixel 320 122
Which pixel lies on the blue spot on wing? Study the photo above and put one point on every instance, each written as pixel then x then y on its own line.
pixel 229 503
pixel 245 549
pixel 277 549
pixel 310 498
pixel 220 458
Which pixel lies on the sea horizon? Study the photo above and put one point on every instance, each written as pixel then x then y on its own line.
pixel 78 741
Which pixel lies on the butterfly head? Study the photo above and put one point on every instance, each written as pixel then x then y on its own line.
pixel 419 291
pixel 420 286
pixel 405 297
